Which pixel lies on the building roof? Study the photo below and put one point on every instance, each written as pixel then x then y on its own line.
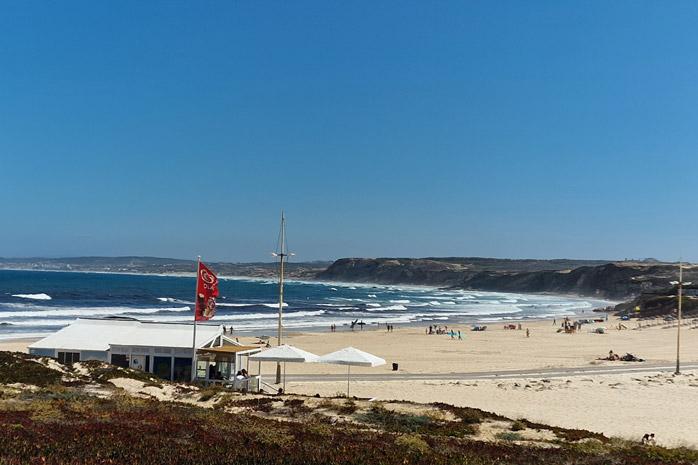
pixel 98 334
pixel 228 349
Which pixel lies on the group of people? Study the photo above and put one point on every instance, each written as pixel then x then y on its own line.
pixel 357 322
pixel 214 372
pixel 613 357
pixel 228 330
pixel 333 327
pixel 433 329
pixel 648 439
pixel 568 325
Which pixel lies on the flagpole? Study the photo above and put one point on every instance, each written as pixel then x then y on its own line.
pixel 678 327
pixel 196 298
pixel 279 331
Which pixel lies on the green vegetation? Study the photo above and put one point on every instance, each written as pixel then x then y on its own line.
pixel 259 404
pixel 62 422
pixel 391 421
pixel 102 372
pixel 509 436
pixel 518 425
pixel 16 367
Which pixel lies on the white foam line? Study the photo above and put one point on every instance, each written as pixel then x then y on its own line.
pixel 41 296
pixel 86 311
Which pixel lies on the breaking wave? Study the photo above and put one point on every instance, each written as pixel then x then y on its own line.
pixel 41 296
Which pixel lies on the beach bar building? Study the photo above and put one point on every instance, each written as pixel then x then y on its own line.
pixel 163 349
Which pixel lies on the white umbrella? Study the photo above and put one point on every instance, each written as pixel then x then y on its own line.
pixel 284 353
pixel 350 356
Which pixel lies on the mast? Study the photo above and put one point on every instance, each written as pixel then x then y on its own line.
pixel 283 256
pixel 678 326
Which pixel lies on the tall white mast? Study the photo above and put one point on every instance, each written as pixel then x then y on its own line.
pixel 283 257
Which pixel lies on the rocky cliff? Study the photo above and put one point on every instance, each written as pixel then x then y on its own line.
pixel 618 280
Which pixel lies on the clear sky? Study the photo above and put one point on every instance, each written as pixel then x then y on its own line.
pixel 405 128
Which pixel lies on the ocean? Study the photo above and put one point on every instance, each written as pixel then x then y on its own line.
pixel 38 302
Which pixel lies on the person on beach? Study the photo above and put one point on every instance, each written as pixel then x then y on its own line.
pixel 528 333
pixel 460 337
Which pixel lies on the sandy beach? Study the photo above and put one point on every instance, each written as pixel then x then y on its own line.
pixel 625 404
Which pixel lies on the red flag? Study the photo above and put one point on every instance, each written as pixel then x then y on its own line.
pixel 206 293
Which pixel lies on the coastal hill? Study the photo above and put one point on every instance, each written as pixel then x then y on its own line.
pixel 157 265
pixel 604 279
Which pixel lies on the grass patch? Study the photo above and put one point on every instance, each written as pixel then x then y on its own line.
pixel 391 421
pixel 209 393
pixel 569 435
pixel 413 443
pixel 518 425
pixel 471 416
pixel 508 436
pixel 16 367
pixel 259 404
pixel 102 372
pixel 297 407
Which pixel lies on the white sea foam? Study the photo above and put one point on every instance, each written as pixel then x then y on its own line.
pixel 41 296
pixel 387 309
pixel 52 312
pixel 405 301
pixel 372 296
pixel 249 304
pixel 174 301
pixel 172 318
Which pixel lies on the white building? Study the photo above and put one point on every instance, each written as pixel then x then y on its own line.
pixel 164 349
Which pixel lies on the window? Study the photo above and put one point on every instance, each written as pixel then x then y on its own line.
pixel 66 358
pixel 162 367
pixel 201 369
pixel 119 360
pixel 182 369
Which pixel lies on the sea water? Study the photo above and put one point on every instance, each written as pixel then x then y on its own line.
pixel 40 302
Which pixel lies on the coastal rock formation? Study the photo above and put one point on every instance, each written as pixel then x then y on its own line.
pixel 617 280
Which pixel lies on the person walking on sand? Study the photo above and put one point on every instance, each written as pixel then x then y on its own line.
pixel 528 333
pixel 460 338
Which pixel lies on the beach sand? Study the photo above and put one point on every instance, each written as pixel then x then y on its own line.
pixel 625 405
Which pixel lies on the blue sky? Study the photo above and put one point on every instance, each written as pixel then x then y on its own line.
pixel 505 129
